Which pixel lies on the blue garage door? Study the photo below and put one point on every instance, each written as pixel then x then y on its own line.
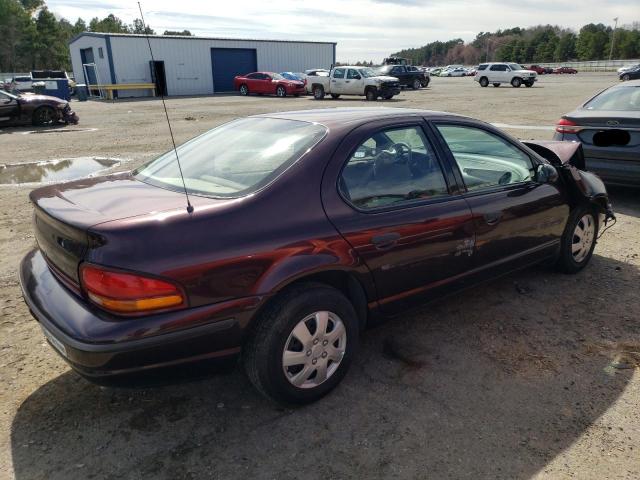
pixel 229 62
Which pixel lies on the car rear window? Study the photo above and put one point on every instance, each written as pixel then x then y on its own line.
pixel 625 99
pixel 234 159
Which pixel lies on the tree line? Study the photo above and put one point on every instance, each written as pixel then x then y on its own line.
pixel 540 44
pixel 33 38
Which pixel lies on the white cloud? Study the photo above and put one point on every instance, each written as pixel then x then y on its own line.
pixel 364 29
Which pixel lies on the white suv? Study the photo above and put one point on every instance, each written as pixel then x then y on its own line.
pixel 497 73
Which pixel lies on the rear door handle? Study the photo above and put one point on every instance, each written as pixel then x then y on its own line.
pixel 492 218
pixel 386 240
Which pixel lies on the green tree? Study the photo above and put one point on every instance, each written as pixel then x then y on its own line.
pixel 566 48
pixel 79 27
pixel 109 24
pixel 593 41
pixel 139 27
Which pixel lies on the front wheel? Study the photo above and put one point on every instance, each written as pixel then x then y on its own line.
pixel 416 84
pixel 371 94
pixel 244 90
pixel 303 344
pixel 318 92
pixel 281 91
pixel 626 77
pixel 44 116
pixel 516 82
pixel 578 240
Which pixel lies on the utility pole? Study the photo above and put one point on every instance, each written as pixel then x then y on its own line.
pixel 613 37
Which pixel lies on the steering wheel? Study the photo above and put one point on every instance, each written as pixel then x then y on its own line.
pixel 399 153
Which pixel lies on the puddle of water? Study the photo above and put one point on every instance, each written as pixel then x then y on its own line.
pixel 51 171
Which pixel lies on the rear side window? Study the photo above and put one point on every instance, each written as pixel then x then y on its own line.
pixel 338 73
pixel 498 68
pixel 353 74
pixel 485 159
pixel 392 167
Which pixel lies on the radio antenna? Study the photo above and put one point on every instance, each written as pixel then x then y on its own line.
pixel 164 105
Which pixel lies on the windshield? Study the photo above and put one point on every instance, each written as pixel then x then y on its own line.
pixel 235 159
pixel 277 76
pixel 515 66
pixel 367 72
pixel 621 99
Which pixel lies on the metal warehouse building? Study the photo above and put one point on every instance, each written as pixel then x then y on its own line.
pixel 187 65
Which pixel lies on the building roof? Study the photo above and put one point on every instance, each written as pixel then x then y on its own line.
pixel 183 37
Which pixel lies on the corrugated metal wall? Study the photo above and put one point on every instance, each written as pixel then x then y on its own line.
pixel 102 64
pixel 188 61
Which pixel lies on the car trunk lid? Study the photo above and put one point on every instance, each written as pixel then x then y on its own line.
pixel 64 214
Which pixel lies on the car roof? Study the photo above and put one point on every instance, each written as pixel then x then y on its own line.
pixel 344 115
pixel 630 83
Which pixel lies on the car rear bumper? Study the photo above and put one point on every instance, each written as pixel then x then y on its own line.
pixel 98 345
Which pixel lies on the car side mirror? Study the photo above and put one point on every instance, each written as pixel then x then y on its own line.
pixel 546 173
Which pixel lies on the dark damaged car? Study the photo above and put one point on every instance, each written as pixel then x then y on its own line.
pixel 40 110
pixel 303 228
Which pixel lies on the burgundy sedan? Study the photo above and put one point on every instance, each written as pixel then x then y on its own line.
pixel 268 83
pixel 565 70
pixel 41 110
pixel 302 228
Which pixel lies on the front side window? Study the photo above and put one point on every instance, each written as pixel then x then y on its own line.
pixel 339 73
pixel 482 67
pixel 234 159
pixel 484 159
pixel 353 74
pixel 392 167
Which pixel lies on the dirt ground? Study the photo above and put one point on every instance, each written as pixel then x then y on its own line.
pixel 534 375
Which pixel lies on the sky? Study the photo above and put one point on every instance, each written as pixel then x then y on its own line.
pixel 363 29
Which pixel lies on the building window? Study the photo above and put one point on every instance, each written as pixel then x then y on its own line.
pixel 100 53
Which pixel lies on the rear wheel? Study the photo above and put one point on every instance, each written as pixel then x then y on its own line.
pixel 44 116
pixel 335 96
pixel 578 240
pixel 244 90
pixel 416 84
pixel 303 344
pixel 484 82
pixel 528 84
pixel 388 97
pixel 496 85
pixel 371 94
pixel 318 92
pixel 425 82
pixel 516 82
pixel 281 91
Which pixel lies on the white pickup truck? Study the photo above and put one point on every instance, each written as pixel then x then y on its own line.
pixel 353 81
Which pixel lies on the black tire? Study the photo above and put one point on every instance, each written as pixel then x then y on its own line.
pixel 44 116
pixel 416 84
pixel 281 91
pixel 516 82
pixel 388 97
pixel 528 84
pixel 244 90
pixel 371 94
pixel 425 82
pixel 318 92
pixel 263 352
pixel 335 96
pixel 484 82
pixel 626 77
pixel 567 262
pixel 496 85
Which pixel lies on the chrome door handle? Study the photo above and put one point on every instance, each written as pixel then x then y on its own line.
pixel 385 240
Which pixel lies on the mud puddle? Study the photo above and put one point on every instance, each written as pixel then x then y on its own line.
pixel 58 170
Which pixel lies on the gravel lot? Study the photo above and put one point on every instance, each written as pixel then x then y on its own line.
pixel 534 375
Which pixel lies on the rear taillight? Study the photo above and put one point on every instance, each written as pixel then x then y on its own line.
pixel 128 293
pixel 567 126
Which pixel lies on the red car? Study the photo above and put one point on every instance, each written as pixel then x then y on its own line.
pixel 538 69
pixel 268 83
pixel 565 70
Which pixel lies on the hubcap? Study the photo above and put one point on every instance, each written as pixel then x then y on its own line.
pixel 583 237
pixel 314 350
